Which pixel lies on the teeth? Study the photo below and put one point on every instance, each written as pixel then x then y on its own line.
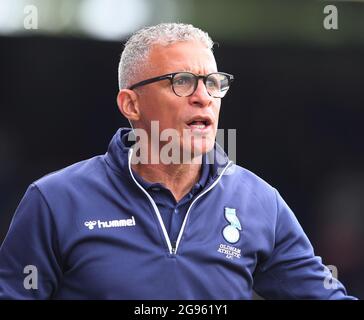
pixel 199 126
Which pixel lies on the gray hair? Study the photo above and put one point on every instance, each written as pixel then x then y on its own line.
pixel 139 44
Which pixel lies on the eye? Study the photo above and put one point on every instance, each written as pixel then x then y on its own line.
pixel 183 80
pixel 212 83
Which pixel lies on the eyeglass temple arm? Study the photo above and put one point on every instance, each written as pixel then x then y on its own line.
pixel 144 82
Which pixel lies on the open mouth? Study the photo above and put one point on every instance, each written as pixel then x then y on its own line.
pixel 199 124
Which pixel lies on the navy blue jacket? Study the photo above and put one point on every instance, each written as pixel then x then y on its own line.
pixel 93 232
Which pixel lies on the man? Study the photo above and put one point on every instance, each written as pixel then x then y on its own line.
pixel 140 223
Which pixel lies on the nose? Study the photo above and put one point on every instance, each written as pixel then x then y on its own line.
pixel 201 97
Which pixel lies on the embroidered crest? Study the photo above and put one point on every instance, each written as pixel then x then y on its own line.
pixel 231 232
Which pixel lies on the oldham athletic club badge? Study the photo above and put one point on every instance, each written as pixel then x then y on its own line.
pixel 231 232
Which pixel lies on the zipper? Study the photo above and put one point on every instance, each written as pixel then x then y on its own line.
pixel 172 248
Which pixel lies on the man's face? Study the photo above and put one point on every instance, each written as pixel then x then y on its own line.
pixel 196 115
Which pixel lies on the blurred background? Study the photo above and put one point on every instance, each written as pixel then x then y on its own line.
pixel 297 102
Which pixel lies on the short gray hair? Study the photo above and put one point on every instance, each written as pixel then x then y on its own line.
pixel 139 44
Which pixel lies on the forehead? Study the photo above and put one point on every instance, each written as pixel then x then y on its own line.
pixel 182 56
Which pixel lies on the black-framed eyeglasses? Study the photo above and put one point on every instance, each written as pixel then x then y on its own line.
pixel 184 84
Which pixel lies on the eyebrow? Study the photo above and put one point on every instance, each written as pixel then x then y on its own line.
pixel 198 73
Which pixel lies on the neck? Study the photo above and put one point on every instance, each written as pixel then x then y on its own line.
pixel 178 178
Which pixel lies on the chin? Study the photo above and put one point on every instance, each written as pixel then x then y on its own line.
pixel 198 146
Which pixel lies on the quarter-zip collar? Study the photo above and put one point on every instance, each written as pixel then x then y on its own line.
pixel 119 156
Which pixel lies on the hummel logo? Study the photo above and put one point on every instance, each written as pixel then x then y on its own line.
pixel 90 224
pixel 110 224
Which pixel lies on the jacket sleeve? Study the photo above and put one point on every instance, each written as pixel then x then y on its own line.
pixel 29 259
pixel 292 271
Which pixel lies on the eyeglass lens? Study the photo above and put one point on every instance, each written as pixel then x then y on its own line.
pixel 184 84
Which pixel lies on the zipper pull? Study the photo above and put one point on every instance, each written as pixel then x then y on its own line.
pixel 174 247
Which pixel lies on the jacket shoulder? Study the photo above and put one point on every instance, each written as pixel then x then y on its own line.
pixel 253 185
pixel 72 175
pixel 250 179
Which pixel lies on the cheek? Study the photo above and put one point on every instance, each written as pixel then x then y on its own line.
pixel 169 116
pixel 216 110
pixel 155 108
pixel 171 113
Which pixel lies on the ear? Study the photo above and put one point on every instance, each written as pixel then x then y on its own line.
pixel 127 101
